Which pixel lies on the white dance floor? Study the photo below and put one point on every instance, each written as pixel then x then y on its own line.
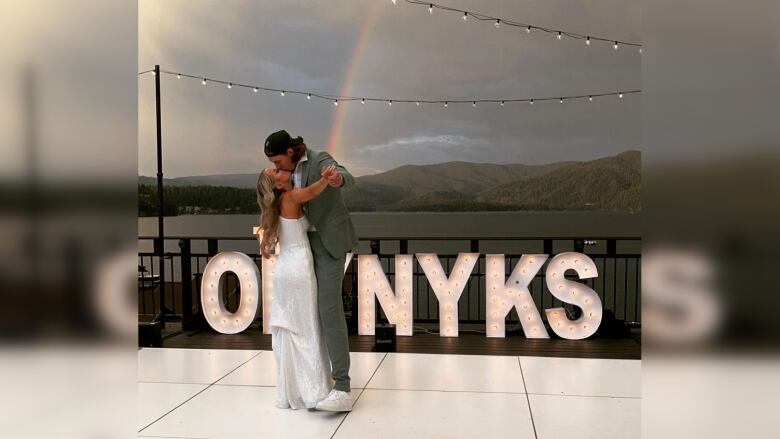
pixel 205 393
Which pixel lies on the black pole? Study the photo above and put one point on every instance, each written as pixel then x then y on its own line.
pixel 160 221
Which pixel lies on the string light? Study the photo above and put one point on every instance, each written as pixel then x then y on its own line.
pixel 391 100
pixel 528 27
pixel 336 103
pixel 178 76
pixel 615 46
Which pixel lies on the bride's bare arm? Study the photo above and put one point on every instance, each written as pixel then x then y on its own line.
pixel 302 195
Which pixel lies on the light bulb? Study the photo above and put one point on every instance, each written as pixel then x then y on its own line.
pixel 465 16
pixel 178 76
pixel 254 89
pixel 154 73
pixel 230 85
pixel 308 96
pixel 430 9
pixel 389 103
pixel 531 102
pixel 615 46
pixel 560 35
pixel 528 30
pixel 363 101
pixel 498 23
pixel 560 100
pixel 587 41
pixel 620 95
pixel 502 103
pixel 445 104
pixel 418 104
pixel 282 93
pixel 394 1
pixel 474 104
pixel 336 103
pixel 203 81
pixel 640 50
pixel 590 98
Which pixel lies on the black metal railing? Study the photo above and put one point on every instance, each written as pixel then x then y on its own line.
pixel 618 284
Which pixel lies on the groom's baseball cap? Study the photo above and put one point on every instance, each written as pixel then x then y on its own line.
pixel 278 142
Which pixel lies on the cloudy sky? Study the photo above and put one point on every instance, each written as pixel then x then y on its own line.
pixel 375 49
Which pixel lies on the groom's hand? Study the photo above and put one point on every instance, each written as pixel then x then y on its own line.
pixel 333 177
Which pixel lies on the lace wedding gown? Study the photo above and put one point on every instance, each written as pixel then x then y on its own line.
pixel 303 367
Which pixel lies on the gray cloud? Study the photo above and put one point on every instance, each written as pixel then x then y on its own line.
pixel 406 54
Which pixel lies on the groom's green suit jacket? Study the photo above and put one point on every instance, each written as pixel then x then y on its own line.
pixel 327 212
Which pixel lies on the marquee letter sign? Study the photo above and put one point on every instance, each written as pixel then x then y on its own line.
pixel 574 293
pixel 448 289
pixel 373 283
pixel 502 295
pixel 212 294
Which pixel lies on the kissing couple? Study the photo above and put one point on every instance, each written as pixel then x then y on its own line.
pixel 303 214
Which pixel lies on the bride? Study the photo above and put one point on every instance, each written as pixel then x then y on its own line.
pixel 303 369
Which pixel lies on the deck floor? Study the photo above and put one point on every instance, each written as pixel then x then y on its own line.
pixel 468 343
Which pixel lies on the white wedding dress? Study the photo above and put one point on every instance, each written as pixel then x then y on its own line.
pixel 303 368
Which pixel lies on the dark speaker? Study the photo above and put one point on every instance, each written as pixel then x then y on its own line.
pixel 385 338
pixel 149 335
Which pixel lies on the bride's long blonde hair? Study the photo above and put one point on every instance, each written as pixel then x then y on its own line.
pixel 268 199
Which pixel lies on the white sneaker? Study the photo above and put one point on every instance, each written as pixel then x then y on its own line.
pixel 336 401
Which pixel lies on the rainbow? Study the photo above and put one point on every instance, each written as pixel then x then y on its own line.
pixel 339 115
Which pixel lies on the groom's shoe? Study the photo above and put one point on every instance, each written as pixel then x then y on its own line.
pixel 336 401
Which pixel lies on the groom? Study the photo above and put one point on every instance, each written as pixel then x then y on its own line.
pixel 331 236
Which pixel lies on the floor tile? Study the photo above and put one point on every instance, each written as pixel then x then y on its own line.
pixel 582 376
pixel 476 373
pixel 583 417
pixel 428 414
pixel 261 370
pixel 191 366
pixel 157 399
pixel 243 412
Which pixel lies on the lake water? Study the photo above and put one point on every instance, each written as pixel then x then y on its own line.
pixel 495 228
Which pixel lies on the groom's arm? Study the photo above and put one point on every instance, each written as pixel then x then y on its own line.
pixel 326 160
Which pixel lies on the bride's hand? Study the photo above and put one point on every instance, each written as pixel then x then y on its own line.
pixel 327 172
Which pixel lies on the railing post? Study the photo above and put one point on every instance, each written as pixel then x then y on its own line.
pixel 579 245
pixel 474 246
pixel 403 246
pixel 159 249
pixel 611 247
pixel 186 284
pixel 213 247
pixel 548 247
